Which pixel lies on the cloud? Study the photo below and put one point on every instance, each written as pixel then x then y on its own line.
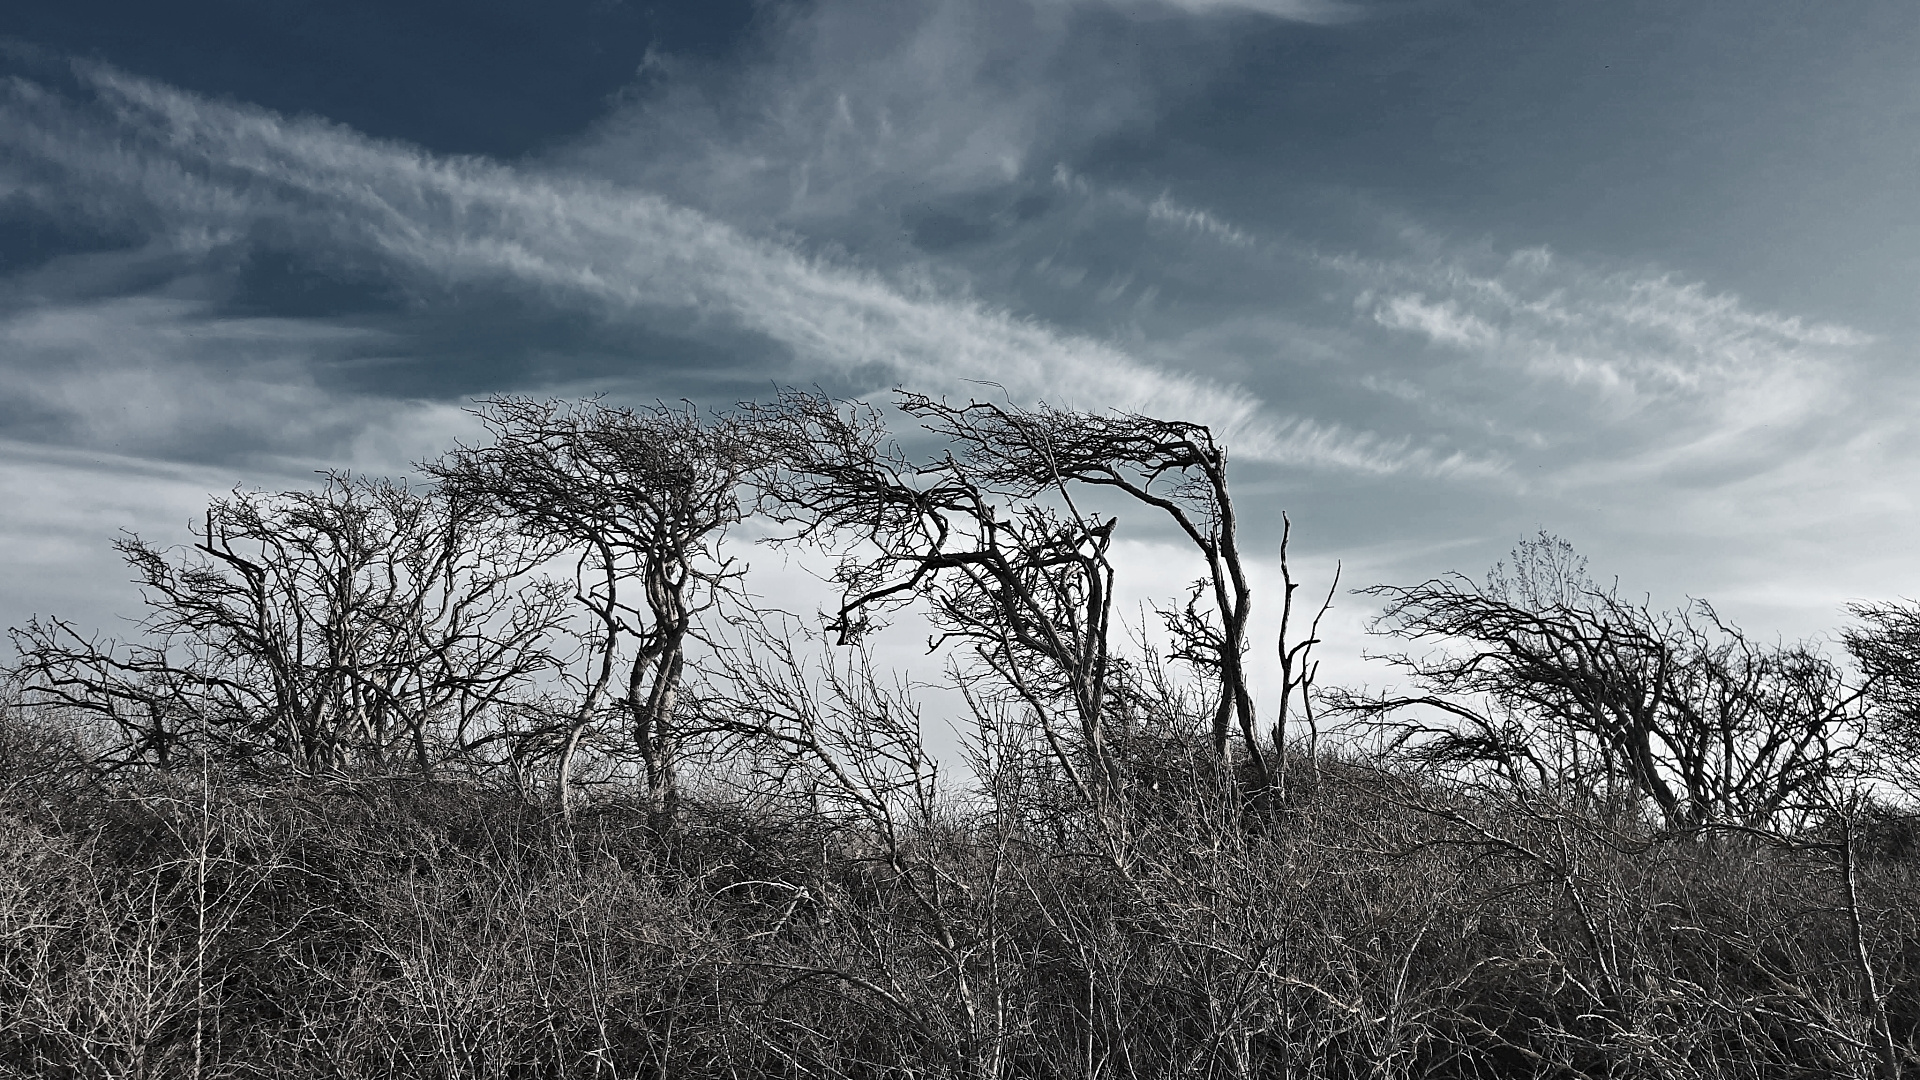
pixel 861 107
pixel 64 507
pixel 1164 209
pixel 153 375
pixel 1309 11
pixel 1309 442
pixel 856 112
pixel 200 174
pixel 164 378
pixel 1631 372
pixel 1683 436
pixel 1188 217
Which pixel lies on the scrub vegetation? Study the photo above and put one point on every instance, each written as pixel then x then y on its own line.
pixel 509 775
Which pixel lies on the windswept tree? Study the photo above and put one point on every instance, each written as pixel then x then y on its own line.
pixel 363 623
pixel 1180 469
pixel 1173 466
pixel 641 499
pixel 1000 510
pixel 1554 682
pixel 1012 568
pixel 1885 645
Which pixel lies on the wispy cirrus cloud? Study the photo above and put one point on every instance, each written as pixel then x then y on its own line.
pixel 1620 372
pixel 1309 11
pixel 1164 209
pixel 861 107
pixel 197 175
pixel 860 110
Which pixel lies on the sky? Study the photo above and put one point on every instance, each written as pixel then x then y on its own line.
pixel 1442 274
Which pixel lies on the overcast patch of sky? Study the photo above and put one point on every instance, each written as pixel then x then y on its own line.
pixel 1450 279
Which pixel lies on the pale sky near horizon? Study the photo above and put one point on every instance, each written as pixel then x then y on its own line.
pixel 1641 274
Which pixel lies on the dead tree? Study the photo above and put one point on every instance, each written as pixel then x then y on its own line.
pixel 1577 689
pixel 1299 671
pixel 1885 646
pixel 641 498
pixel 1174 466
pixel 1178 468
pixel 1014 569
pixel 365 622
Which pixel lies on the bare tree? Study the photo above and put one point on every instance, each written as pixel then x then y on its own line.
pixel 1886 648
pixel 1008 469
pixel 641 498
pixel 1555 682
pixel 1174 466
pixel 1179 468
pixel 363 621
pixel 1299 671
pixel 1025 580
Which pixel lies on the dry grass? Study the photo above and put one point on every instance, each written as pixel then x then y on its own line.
pixel 215 925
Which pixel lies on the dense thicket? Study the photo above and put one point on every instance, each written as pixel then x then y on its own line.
pixel 505 777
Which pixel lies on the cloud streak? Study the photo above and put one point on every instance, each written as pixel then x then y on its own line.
pixel 203 174
pixel 1164 210
pixel 1662 371
pixel 1309 11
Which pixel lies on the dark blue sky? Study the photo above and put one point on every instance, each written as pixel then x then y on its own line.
pixel 472 77
pixel 1640 273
